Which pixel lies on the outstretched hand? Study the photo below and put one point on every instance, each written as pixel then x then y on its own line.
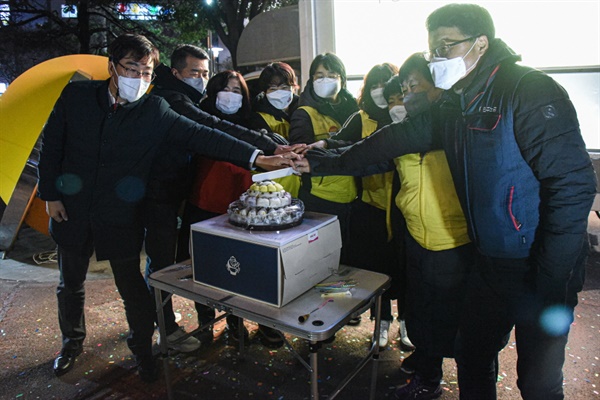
pixel 296 148
pixel 271 163
pixel 302 166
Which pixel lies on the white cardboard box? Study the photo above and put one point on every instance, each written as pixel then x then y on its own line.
pixel 273 267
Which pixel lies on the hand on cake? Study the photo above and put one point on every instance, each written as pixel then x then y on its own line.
pixel 271 163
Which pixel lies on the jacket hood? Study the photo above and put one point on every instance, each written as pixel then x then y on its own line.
pixel 165 80
pixel 498 52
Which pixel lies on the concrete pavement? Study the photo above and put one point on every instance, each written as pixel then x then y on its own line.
pixel 30 339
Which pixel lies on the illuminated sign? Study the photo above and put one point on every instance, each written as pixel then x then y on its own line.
pixel 68 11
pixel 138 11
pixel 4 14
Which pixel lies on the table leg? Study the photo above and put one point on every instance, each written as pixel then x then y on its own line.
pixel 164 349
pixel 375 343
pixel 314 384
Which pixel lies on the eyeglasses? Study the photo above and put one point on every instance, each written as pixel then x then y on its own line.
pixel 320 75
pixel 134 73
pixel 443 50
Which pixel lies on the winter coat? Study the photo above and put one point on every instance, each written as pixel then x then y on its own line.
pixel 518 161
pixel 171 175
pixel 317 119
pixel 96 159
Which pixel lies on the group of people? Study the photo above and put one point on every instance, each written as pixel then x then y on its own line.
pixel 461 174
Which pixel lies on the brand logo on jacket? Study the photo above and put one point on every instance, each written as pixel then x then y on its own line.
pixel 233 266
pixel 489 109
pixel 549 112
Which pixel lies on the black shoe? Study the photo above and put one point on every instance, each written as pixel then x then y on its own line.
pixel 409 365
pixel 416 389
pixel 205 336
pixel 148 369
pixel 65 361
pixel 354 321
pixel 271 336
pixel 233 328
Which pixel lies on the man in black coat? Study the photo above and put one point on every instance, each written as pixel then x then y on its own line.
pixel 182 86
pixel 97 150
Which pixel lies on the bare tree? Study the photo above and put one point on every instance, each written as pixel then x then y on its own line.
pixel 35 30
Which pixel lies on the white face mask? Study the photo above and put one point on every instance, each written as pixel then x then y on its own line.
pixel 327 88
pixel 228 102
pixel 130 89
pixel 280 99
pixel 398 113
pixel 197 83
pixel 378 99
pixel 446 72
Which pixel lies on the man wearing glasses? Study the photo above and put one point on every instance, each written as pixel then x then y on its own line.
pixel 98 146
pixel 526 186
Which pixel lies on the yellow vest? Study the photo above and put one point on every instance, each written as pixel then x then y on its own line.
pixel 290 183
pixel 429 203
pixel 282 127
pixel 377 189
pixel 339 189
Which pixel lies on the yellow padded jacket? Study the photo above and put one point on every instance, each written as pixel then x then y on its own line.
pixel 429 203
pixel 339 189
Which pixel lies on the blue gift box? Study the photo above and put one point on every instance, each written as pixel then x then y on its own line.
pixel 273 267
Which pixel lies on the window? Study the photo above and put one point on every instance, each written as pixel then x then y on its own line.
pixel 561 38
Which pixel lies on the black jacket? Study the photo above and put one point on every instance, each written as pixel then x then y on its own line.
pixel 301 127
pixel 97 159
pixel 170 178
pixel 261 104
pixel 518 161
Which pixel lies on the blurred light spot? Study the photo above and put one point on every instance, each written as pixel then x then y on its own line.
pixel 130 189
pixel 555 320
pixel 69 184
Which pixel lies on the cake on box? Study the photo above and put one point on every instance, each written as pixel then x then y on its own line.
pixel 266 206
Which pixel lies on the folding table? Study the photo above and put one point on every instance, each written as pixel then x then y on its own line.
pixel 324 320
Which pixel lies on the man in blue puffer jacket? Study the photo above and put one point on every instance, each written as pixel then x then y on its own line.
pixel 526 186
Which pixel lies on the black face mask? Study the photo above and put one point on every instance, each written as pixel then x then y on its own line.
pixel 416 103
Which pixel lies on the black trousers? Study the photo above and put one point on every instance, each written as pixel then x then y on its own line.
pixel 437 282
pixel 370 249
pixel 500 296
pixel 139 305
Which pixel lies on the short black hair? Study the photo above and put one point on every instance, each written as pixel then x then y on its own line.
pixel 393 86
pixel 418 63
pixel 181 52
pixel 133 45
pixel 470 19
pixel 332 63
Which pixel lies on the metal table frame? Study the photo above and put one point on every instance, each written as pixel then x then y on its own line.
pixel 322 324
